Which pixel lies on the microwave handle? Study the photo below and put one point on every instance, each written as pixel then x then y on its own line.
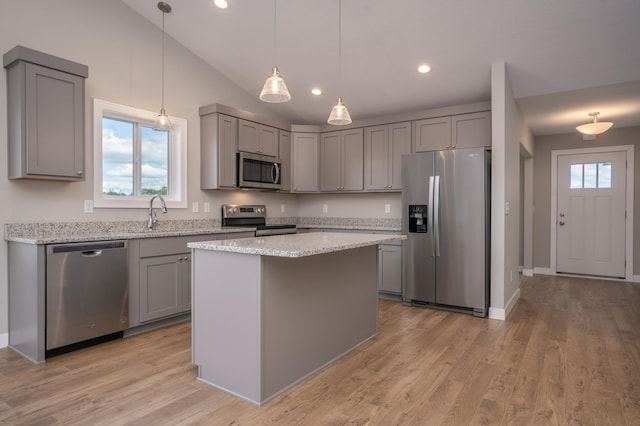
pixel 276 167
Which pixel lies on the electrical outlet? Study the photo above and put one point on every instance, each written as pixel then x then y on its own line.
pixel 325 208
pixel 88 206
pixel 387 208
pixel 207 207
pixel 282 208
pixel 195 207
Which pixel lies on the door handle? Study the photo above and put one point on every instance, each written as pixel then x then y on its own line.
pixel 561 223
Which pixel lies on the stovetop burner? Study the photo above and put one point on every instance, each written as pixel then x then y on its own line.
pixel 253 216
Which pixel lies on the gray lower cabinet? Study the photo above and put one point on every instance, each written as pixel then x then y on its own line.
pixel 390 268
pixel 163 286
pixel 45 110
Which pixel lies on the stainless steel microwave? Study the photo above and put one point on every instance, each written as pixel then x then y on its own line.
pixel 258 171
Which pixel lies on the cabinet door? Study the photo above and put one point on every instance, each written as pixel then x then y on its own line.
pixel 218 147
pixel 54 124
pixel 269 141
pixel 390 268
pixel 161 289
pixel 432 134
pixel 471 130
pixel 352 160
pixel 285 160
pixel 185 281
pixel 330 162
pixel 399 145
pixel 376 158
pixel 248 136
pixel 305 162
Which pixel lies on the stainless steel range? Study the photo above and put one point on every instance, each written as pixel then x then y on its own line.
pixel 254 216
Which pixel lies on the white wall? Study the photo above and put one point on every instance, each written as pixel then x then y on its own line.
pixel 508 132
pixel 123 53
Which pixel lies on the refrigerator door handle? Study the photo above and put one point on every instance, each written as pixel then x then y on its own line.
pixel 430 214
pixel 436 215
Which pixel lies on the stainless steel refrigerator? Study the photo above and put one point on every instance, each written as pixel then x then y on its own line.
pixel 445 202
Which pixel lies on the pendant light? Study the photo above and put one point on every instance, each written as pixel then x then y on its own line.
pixel 595 127
pixel 274 89
pixel 162 120
pixel 339 115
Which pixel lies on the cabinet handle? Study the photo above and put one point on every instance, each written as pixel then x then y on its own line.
pixel 179 259
pixel 79 172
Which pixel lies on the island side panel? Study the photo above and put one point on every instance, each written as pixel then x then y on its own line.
pixel 226 321
pixel 315 309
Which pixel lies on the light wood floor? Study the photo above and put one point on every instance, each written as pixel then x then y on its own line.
pixel 569 353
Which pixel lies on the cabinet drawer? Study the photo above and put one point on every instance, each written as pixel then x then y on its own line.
pixel 171 245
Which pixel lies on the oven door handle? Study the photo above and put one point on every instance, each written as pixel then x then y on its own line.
pixel 276 168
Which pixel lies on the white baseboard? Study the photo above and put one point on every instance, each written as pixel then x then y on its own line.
pixel 527 272
pixel 543 271
pixel 635 279
pixel 4 340
pixel 503 313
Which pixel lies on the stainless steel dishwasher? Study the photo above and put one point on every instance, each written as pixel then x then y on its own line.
pixel 87 293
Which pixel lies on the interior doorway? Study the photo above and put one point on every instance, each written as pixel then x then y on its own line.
pixel 592 198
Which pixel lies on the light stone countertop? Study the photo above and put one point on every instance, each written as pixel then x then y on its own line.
pixel 296 245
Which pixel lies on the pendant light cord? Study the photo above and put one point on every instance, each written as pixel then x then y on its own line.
pixel 340 47
pixel 163 38
pixel 275 25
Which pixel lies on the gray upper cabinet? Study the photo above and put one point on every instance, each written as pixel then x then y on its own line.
pixel 471 130
pixel 305 159
pixel 257 138
pixel 218 148
pixel 432 134
pixel 285 160
pixel 342 160
pixel 383 148
pixel 45 111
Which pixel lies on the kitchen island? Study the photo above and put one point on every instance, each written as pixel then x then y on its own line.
pixel 268 312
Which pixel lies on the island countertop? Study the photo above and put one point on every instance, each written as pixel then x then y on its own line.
pixel 296 245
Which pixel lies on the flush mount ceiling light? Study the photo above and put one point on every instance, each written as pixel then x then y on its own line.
pixel 222 4
pixel 596 126
pixel 274 89
pixel 162 120
pixel 339 114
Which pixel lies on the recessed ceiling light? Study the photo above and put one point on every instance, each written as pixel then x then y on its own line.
pixel 222 4
pixel 316 92
pixel 423 69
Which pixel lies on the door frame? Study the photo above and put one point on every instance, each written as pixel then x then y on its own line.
pixel 629 149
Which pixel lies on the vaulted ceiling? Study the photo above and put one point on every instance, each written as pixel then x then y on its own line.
pixel 564 58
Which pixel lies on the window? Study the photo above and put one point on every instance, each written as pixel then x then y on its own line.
pixel 132 161
pixel 590 176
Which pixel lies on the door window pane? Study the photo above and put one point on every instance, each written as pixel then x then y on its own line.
pixel 117 157
pixel 576 176
pixel 590 175
pixel 604 175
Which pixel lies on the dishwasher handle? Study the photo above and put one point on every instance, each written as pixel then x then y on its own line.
pixel 91 249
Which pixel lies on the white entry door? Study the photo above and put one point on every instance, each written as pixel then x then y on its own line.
pixel 591 218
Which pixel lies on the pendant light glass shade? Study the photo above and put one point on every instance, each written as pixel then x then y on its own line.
pixel 274 89
pixel 339 115
pixel 162 120
pixel 595 127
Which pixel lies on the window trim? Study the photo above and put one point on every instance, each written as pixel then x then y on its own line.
pixel 178 156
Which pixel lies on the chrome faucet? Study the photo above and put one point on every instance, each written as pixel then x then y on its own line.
pixel 153 214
